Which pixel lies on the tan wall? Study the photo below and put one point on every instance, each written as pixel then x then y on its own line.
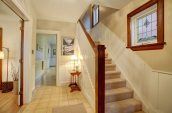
pixel 157 59
pixel 65 28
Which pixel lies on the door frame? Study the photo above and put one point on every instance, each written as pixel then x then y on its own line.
pixel 1 37
pixel 58 49
pixel 21 63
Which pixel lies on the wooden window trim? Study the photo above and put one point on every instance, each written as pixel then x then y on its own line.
pixel 160 28
pixel 93 25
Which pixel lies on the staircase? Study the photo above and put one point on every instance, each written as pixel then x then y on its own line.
pixel 118 98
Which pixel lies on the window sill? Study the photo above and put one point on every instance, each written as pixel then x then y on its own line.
pixel 154 46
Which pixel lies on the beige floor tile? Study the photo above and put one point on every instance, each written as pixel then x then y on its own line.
pixel 45 98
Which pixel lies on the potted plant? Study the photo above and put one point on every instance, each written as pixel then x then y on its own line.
pixel 15 75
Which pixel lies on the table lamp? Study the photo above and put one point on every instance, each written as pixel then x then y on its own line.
pixel 74 58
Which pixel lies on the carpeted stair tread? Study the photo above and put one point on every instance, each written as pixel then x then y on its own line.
pixel 124 106
pixel 115 83
pixel 108 59
pixel 118 94
pixel 112 74
pixel 116 80
pixel 110 65
pixel 118 91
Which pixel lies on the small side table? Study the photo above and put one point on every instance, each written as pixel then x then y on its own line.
pixel 74 80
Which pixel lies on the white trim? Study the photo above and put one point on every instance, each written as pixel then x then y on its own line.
pixel 58 42
pixel 17 8
pixel 163 72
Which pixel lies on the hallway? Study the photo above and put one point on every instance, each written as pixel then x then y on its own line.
pixel 45 98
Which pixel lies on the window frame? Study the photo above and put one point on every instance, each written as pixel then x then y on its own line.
pixel 93 7
pixel 160 27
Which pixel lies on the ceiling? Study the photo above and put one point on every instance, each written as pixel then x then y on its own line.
pixel 69 10
pixel 60 10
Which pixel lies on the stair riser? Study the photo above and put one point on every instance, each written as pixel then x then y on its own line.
pixel 112 76
pixel 110 68
pixel 118 97
pixel 115 85
pixel 129 109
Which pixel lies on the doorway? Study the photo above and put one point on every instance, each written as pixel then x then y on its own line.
pixel 46 60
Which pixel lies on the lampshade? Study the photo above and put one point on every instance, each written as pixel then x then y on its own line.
pixel 74 57
pixel 1 55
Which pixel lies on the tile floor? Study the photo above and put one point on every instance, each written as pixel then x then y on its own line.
pixel 47 97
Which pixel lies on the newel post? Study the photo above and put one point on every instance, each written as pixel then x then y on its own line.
pixel 100 79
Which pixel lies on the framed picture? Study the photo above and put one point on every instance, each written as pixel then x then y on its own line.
pixel 146 26
pixel 68 46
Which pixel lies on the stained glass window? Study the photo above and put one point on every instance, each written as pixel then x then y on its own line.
pixel 147 27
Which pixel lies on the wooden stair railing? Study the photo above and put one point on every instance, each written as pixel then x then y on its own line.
pixel 100 72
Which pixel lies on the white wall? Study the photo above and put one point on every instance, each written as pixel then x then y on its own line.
pixel 29 47
pixel 154 88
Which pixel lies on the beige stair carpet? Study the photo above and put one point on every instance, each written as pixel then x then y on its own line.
pixel 118 97
pixel 78 108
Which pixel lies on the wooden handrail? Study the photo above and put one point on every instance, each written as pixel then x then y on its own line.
pixel 99 72
pixel 93 45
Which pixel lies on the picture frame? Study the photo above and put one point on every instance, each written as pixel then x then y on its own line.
pixel 67 45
